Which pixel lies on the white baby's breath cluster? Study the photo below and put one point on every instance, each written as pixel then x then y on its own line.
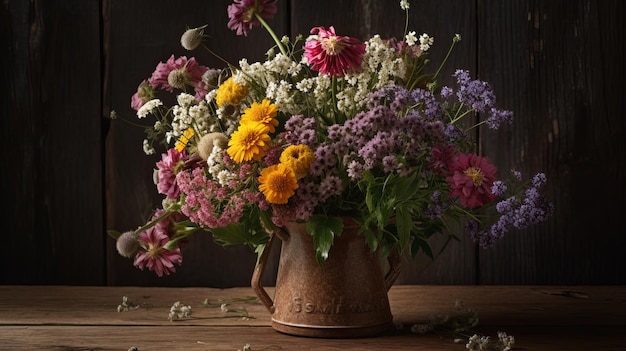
pixel 126 305
pixel 179 311
pixel 485 343
pixel 426 42
pixel 148 107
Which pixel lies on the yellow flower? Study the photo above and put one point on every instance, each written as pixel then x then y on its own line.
pixel 248 142
pixel 278 183
pixel 298 158
pixel 264 112
pixel 184 139
pixel 230 93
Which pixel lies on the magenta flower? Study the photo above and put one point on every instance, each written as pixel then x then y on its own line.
pixel 171 163
pixel 179 73
pixel 471 180
pixel 154 256
pixel 332 54
pixel 242 17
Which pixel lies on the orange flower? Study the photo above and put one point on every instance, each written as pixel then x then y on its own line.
pixel 264 112
pixel 248 142
pixel 278 183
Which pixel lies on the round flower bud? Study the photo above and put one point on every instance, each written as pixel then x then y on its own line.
pixel 178 78
pixel 206 143
pixel 192 38
pixel 127 244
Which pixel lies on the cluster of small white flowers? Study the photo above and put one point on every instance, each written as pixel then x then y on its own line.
pixel 147 148
pixel 148 107
pixel 507 341
pixel 426 42
pixel 404 4
pixel 126 305
pixel 306 85
pixel 321 91
pixel 216 167
pixel 380 66
pixel 477 343
pixel 282 95
pixel 179 311
pixel 282 65
pixel 381 58
pixel 481 343
pixel 224 307
pixel 410 38
pixel 191 113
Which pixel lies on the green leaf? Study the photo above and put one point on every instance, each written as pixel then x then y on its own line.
pixel 421 244
pixel 114 234
pixel 236 234
pixel 404 225
pixel 323 229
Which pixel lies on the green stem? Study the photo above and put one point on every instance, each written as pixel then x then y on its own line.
pixel 152 223
pixel 218 56
pixel 444 60
pixel 269 30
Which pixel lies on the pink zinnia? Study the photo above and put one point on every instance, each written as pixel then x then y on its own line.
pixel 171 163
pixel 242 17
pixel 184 72
pixel 471 180
pixel 332 54
pixel 154 256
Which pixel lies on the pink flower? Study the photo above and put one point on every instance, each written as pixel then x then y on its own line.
pixel 471 180
pixel 332 54
pixel 178 73
pixel 171 163
pixel 154 256
pixel 442 156
pixel 242 17
pixel 144 93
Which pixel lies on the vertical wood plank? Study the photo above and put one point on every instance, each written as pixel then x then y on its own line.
pixel 51 138
pixel 559 66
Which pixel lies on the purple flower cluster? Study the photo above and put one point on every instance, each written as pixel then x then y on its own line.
pixel 518 211
pixel 478 95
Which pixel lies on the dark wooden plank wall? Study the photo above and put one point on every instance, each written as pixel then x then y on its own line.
pixel 52 145
pixel 70 174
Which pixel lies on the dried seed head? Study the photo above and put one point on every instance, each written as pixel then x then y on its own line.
pixel 206 143
pixel 127 244
pixel 192 38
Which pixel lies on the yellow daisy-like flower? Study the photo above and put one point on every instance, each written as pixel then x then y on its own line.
pixel 230 93
pixel 264 112
pixel 248 142
pixel 184 139
pixel 278 183
pixel 298 158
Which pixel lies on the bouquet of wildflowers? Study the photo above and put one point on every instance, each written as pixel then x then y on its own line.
pixel 327 126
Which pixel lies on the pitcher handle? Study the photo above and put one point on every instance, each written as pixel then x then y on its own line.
pixel 394 269
pixel 266 300
pixel 258 289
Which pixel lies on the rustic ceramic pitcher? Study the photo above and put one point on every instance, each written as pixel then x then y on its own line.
pixel 345 297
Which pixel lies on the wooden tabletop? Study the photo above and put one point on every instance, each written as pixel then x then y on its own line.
pixel 87 318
